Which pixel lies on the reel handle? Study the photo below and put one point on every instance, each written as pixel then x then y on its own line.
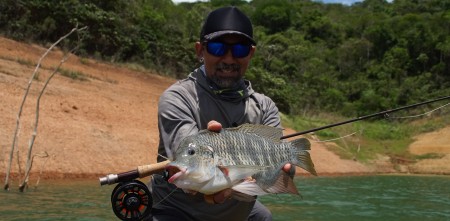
pixel 140 172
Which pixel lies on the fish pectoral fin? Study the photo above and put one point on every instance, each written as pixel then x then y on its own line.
pixel 239 172
pixel 283 184
pixel 250 188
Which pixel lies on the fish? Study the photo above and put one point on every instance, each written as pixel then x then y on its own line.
pixel 248 159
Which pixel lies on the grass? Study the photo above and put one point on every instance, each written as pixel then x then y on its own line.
pixel 75 75
pixel 25 62
pixel 370 137
pixel 429 156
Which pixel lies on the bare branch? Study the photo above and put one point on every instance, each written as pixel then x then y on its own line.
pixel 8 170
pixel 42 167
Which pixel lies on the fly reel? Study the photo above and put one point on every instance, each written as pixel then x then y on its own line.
pixel 131 200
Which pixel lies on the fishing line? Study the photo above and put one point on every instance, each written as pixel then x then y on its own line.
pixel 419 115
pixel 387 116
pixel 168 195
pixel 323 141
pixel 163 156
pixel 364 117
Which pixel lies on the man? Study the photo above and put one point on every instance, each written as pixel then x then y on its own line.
pixel 213 96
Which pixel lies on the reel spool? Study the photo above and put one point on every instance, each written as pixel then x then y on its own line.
pixel 131 200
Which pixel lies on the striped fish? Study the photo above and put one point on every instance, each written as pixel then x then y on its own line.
pixel 209 162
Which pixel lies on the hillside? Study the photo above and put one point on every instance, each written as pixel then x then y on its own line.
pixel 103 120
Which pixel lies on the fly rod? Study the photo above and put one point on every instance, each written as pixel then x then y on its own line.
pixel 147 170
pixel 363 117
pixel 140 172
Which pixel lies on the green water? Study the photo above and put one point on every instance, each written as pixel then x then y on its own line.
pixel 381 198
pixel 57 200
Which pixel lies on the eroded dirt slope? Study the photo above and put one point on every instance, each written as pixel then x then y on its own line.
pixel 103 124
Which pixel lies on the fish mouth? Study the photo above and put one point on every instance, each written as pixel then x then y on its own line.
pixel 174 172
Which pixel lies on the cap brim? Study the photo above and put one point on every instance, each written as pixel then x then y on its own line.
pixel 218 34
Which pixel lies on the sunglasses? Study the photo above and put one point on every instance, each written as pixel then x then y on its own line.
pixel 219 49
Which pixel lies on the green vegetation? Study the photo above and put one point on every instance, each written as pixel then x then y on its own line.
pixel 351 60
pixel 25 62
pixel 75 75
pixel 363 140
pixel 312 59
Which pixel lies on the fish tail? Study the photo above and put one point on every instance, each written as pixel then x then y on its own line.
pixel 303 159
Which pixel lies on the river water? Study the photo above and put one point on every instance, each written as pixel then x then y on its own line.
pixel 382 198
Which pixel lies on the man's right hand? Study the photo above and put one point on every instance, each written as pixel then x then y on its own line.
pixel 214 126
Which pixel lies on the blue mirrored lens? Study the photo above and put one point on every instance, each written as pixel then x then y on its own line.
pixel 219 49
pixel 240 50
pixel 216 48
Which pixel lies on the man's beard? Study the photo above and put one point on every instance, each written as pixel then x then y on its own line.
pixel 227 82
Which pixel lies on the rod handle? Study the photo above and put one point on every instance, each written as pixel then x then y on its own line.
pixel 147 170
pixel 140 172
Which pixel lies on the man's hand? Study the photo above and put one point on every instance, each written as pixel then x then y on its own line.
pixel 219 197
pixel 287 168
pixel 214 126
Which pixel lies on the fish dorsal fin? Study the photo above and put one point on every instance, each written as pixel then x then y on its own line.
pixel 265 131
pixel 303 158
pixel 283 184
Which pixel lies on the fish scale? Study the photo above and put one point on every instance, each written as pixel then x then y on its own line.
pixel 254 151
pixel 210 161
pixel 236 147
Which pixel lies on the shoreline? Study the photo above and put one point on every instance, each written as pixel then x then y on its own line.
pixel 83 176
pixel 108 123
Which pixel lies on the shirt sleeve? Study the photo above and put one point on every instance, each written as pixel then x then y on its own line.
pixel 175 119
pixel 270 113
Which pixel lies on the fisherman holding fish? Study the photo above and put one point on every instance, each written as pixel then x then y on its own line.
pixel 213 96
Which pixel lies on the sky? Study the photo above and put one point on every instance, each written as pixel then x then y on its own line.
pixel 345 2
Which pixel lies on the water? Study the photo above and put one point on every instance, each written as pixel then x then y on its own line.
pixel 58 200
pixel 382 198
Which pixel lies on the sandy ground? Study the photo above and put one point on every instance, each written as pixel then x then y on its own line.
pixel 437 142
pixel 107 123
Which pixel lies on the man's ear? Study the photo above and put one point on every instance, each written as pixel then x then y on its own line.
pixel 252 51
pixel 199 50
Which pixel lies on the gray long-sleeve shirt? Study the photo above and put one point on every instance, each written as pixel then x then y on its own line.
pixel 186 108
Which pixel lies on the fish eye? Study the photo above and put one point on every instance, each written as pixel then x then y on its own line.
pixel 191 151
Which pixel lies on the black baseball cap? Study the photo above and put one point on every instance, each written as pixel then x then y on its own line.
pixel 226 20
